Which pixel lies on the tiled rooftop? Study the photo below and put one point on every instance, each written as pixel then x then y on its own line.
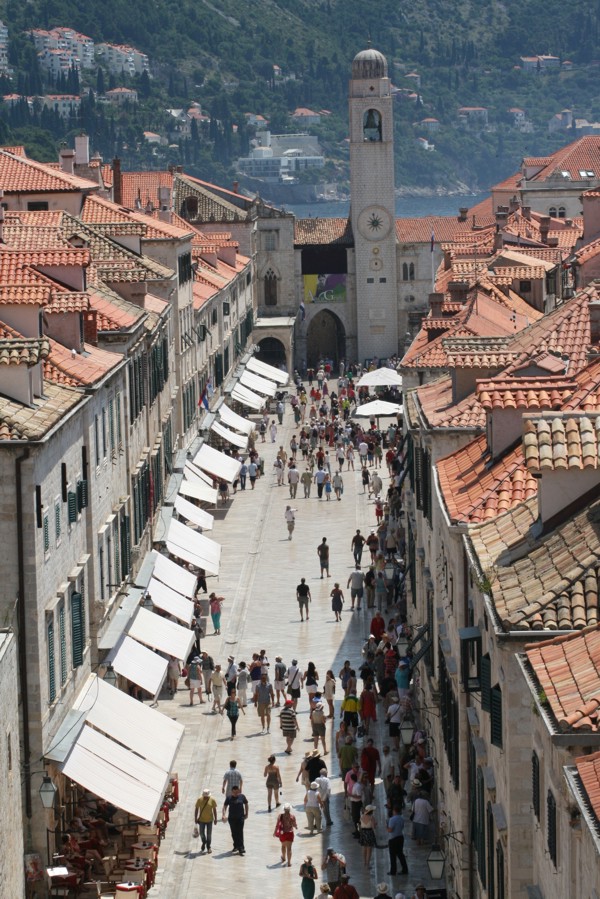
pixel 524 393
pixel 438 410
pixel 581 155
pixel 18 350
pixel 85 368
pixel 567 669
pixel 21 175
pixel 113 312
pixel 323 231
pixel 20 422
pixel 541 582
pixel 588 768
pixel 561 441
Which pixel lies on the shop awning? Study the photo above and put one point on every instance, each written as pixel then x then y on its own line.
pixel 247 397
pixel 258 384
pixel 197 489
pixel 229 436
pixel 233 420
pixel 161 634
pixel 177 577
pixel 194 514
pixel 268 371
pixel 121 619
pixel 116 774
pixel 147 732
pixel 206 550
pixel 216 463
pixel 140 665
pixel 194 473
pixel 170 601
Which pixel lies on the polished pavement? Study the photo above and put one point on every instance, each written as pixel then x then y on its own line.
pixel 260 568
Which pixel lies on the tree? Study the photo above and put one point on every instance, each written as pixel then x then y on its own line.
pixel 100 81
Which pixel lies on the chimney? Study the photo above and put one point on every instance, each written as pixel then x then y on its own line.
pixel 90 327
pixel 501 216
pixel 526 212
pixel 117 183
pixel 236 186
pixel 498 238
pixel 82 149
pixel 436 301
pixel 594 310
pixel 66 160
pixel 164 204
pixel 544 227
pixel 513 204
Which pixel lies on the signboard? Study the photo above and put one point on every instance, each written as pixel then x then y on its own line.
pixel 325 288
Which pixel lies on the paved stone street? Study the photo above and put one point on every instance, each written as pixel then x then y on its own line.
pixel 260 568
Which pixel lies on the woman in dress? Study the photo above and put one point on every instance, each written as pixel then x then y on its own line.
pixel 216 606
pixel 328 487
pixel 368 706
pixel 284 830
pixel 337 601
pixel 173 674
pixel 308 873
pixel 367 838
pixel 273 782
pixel 329 692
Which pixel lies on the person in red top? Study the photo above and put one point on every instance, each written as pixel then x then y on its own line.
pixel 345 889
pixel 370 760
pixel 377 626
pixel 368 707
pixel 390 660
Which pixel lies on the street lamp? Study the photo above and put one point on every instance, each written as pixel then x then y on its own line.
pixel 47 792
pixel 407 729
pixel 436 861
pixel 110 676
pixel 389 570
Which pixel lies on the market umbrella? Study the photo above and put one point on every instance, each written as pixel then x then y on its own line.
pixel 377 408
pixel 381 377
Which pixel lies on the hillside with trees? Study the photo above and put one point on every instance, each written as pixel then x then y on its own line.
pixel 222 57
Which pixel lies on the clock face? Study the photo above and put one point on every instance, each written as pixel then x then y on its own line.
pixel 374 222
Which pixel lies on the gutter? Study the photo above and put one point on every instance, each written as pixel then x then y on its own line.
pixel 22 625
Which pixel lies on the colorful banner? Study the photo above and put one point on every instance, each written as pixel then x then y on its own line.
pixel 325 288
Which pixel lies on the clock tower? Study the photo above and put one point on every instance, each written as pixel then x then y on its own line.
pixel 372 210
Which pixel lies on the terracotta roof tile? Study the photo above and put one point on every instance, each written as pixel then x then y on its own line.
pixel 64 367
pixel 323 231
pixel 524 393
pixel 113 312
pixel 19 422
pixel 581 155
pixel 21 175
pixel 18 350
pixel 588 769
pixel 567 669
pixel 546 581
pixel 561 441
pixel 439 411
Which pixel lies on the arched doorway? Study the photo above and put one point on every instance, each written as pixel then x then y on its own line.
pixel 326 339
pixel 272 351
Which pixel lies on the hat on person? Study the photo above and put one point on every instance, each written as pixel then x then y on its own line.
pixel 231 658
pixel 345 877
pixel 348 739
pixel 196 659
pixel 206 792
pixel 416 782
pixel 382 889
pixel 287 807
pixel 308 754
pixel 294 661
pixel 403 663
pixel 289 702
pixel 314 785
pixel 370 808
pixel 315 753
pixel 325 888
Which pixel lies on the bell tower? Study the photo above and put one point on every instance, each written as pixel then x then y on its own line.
pixel 372 209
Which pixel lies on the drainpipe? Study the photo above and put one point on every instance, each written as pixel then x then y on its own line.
pixel 21 619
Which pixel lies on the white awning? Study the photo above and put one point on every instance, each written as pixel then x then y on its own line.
pixel 247 397
pixel 258 384
pixel 139 664
pixel 218 464
pixel 381 377
pixel 170 601
pixel 116 774
pixel 193 473
pixel 197 489
pixel 150 734
pixel 233 420
pixel 268 371
pixel 205 549
pixel 194 514
pixel 229 436
pixel 162 634
pixel 177 577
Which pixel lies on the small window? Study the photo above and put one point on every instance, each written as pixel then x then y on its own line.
pixel 486 683
pixel 270 241
pixel 62 637
pixel 57 520
pixel 77 629
pixel 535 784
pixel 500 891
pixel 470 655
pixel 411 272
pixel 383 280
pixel 215 317
pixel 405 271
pixel 191 206
pixel 524 286
pixel 51 660
pixel 370 280
pixel 551 826
pixel 552 212
pixel 37 206
pixel 270 288
pixel 562 212
pixel 372 126
pixel 496 716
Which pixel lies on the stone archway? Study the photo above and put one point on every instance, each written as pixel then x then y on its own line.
pixel 272 351
pixel 325 339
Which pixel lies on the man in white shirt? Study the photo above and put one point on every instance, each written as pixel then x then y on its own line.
pixel 312 807
pixel 294 682
pixel 290 520
pixel 363 449
pixel 356 582
pixel 319 480
pixel 293 479
pixel 324 785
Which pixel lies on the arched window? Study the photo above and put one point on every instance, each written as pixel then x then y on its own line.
pixel 270 287
pixel 552 212
pixel 404 271
pixel 191 206
pixel 411 272
pixel 372 125
pixel 410 298
pixel 562 212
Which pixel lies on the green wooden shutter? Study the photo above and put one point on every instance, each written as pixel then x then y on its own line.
pixel 496 716
pixel 118 415
pixel 57 520
pixel 116 546
pixel 419 453
pixel 486 683
pixel 72 506
pixel 77 629
pixel 51 661
pixel 46 527
pixel 82 495
pixel 551 826
pixel 63 644
pixel 111 426
pixel 125 547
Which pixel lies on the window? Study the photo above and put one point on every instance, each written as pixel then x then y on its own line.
pixel 524 286
pixel 184 268
pixel 411 272
pixel 111 429
pixel 270 241
pixel 270 288
pixel 486 683
pixel 500 891
pixel 404 271
pixel 215 316
pixel 491 854
pixel 449 716
pixel 62 637
pixel 370 280
pixel 101 567
pixel 77 629
pixel 480 828
pixel 551 826
pixel 37 206
pixel 118 418
pixel 104 433
pixel 470 657
pixel 191 206
pixel 97 439
pixel 552 212
pixel 383 280
pixel 496 716
pixel 372 125
pixel 51 660
pixel 535 784
pixel 562 212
